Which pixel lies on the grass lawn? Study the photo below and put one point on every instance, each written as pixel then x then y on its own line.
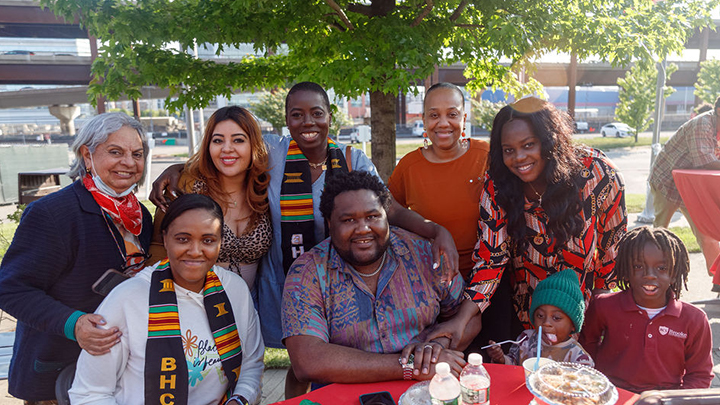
pixel 598 142
pixel 605 144
pixel 276 358
pixel 401 149
pixel 685 233
pixel 635 203
pixel 7 230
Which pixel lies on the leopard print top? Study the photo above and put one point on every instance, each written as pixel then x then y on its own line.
pixel 246 248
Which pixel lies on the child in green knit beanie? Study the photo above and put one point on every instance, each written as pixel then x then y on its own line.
pixel 559 307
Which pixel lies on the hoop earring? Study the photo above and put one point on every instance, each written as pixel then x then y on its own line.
pixel 425 140
pixel 464 140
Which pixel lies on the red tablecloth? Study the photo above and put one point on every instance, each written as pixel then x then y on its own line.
pixel 700 191
pixel 507 388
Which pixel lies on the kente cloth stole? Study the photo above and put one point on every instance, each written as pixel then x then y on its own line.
pixel 296 203
pixel 166 373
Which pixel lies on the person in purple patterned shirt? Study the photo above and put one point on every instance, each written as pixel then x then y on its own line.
pixel 357 304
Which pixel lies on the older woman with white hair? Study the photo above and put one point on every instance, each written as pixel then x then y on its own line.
pixel 57 269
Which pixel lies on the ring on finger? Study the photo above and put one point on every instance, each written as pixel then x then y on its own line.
pixel 428 346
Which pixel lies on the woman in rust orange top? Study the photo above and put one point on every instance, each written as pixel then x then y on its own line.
pixel 443 180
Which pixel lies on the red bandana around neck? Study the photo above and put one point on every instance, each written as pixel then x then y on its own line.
pixel 124 210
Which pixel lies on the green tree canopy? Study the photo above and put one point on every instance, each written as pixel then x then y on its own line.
pixel 484 112
pixel 377 46
pixel 638 92
pixel 707 87
pixel 340 119
pixel 271 108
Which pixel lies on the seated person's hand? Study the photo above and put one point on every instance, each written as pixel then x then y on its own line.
pixel 167 181
pixel 93 339
pixel 428 354
pixel 496 353
pixel 451 357
pixel 425 354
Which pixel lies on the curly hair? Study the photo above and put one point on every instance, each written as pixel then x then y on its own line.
pixel 630 250
pixel 561 200
pixel 355 180
pixel 200 165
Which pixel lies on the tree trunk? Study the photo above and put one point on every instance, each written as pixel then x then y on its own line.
pixel 382 119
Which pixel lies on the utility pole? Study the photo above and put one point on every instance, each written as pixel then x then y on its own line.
pixel 648 214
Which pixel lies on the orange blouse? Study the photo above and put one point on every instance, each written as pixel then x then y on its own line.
pixel 445 193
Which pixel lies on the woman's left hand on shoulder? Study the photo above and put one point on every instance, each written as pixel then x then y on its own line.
pixel 445 254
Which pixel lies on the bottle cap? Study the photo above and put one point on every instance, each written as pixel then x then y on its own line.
pixel 475 359
pixel 442 368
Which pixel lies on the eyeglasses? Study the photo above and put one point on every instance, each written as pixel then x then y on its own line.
pixel 134 263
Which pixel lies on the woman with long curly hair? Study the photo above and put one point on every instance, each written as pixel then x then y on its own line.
pixel 547 205
pixel 231 168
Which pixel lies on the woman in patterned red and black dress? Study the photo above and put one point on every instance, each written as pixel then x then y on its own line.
pixel 547 205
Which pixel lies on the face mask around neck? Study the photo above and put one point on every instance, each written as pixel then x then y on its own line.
pixel 104 188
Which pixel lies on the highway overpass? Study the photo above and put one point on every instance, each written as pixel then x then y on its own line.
pixel 23 18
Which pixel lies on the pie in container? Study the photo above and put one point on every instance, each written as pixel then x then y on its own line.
pixel 571 384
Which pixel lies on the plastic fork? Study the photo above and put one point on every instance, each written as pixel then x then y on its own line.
pixel 505 341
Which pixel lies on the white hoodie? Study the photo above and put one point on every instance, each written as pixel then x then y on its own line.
pixel 118 377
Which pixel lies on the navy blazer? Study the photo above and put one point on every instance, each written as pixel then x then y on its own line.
pixel 61 247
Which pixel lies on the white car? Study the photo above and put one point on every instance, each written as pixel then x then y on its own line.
pixel 354 135
pixel 581 127
pixel 616 129
pixel 418 128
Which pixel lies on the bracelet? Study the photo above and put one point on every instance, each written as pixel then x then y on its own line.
pixel 408 367
pixel 239 398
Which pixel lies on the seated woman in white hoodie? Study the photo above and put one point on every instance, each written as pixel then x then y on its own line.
pixel 190 333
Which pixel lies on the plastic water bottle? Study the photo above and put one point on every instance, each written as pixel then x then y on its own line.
pixel 475 382
pixel 444 387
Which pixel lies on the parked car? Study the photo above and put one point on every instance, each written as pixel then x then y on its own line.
pixel 581 127
pixel 354 135
pixel 19 53
pixel 418 128
pixel 616 129
pixel 351 135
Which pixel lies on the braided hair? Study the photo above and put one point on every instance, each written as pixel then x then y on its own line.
pixel 631 248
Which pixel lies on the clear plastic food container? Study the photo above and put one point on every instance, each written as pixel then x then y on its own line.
pixel 571 384
pixel 417 394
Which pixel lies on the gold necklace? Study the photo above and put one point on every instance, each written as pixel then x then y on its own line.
pixel 317 165
pixel 232 203
pixel 382 263
pixel 540 196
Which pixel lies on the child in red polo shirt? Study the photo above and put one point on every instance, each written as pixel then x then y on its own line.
pixel 643 337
